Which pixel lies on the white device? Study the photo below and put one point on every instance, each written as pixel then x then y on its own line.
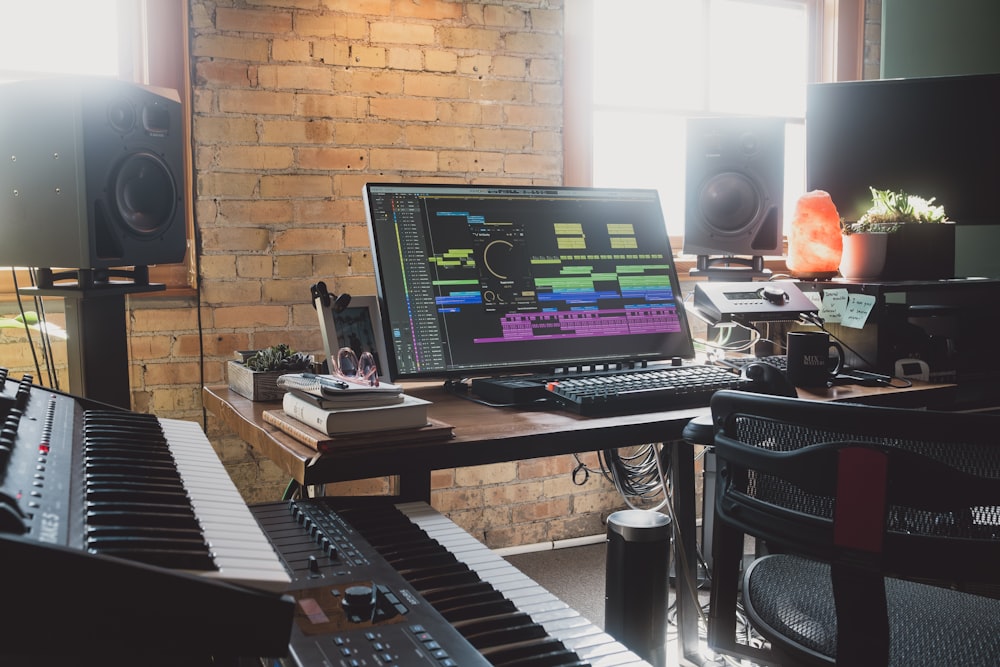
pixel 777 300
pixel 913 369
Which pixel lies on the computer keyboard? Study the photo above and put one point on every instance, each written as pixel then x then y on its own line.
pixel 642 390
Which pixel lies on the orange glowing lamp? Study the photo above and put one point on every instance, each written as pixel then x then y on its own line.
pixel 814 238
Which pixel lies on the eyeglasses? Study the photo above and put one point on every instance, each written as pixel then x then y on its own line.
pixel 352 368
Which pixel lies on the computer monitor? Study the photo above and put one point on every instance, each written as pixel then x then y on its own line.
pixel 933 137
pixel 480 281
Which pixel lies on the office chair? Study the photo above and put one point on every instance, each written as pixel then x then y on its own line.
pixel 853 505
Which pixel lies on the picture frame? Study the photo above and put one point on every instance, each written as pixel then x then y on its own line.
pixel 359 327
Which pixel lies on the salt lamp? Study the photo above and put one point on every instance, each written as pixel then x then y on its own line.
pixel 814 240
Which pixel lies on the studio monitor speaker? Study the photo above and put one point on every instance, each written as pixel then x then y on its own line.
pixel 91 175
pixel 734 186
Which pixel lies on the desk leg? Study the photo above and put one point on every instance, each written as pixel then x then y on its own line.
pixel 415 485
pixel 685 541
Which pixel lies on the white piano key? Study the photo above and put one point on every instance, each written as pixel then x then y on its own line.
pixel 241 551
pixel 559 620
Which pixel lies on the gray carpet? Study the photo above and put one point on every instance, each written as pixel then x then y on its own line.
pixel 575 575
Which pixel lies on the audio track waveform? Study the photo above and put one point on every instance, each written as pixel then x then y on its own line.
pixel 577 324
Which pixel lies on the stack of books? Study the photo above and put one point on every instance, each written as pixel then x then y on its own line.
pixel 324 412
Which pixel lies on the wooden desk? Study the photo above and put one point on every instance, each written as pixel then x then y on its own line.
pixel 494 435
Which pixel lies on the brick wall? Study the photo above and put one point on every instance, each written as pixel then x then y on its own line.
pixel 297 103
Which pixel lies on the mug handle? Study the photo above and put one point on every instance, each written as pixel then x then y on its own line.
pixel 840 358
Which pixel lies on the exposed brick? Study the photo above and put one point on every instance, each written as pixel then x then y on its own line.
pixel 403 109
pixel 331 158
pixel 403 159
pixel 256 102
pixel 290 51
pixel 294 77
pixel 295 185
pixel 230 48
pixel 486 474
pixel 244 20
pixel 469 38
pixel 367 56
pixel 309 239
pixel 228 316
pixel 330 106
pixel 258 158
pixel 438 135
pixel 405 58
pixel 436 85
pixel 440 61
pixel 401 33
pixel 254 266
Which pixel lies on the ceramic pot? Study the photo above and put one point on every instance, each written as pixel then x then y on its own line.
pixel 863 257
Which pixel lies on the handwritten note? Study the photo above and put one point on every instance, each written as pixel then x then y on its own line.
pixel 858 308
pixel 834 305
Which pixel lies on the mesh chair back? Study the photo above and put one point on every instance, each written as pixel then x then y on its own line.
pixel 787 467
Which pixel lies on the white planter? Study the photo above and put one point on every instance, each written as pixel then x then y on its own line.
pixel 863 257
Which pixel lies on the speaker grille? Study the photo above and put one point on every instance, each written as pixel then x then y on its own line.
pixel 735 184
pixel 145 194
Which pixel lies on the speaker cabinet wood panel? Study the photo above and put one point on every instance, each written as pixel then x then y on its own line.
pixel 91 176
pixel 734 186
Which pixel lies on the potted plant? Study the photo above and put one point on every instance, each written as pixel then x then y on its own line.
pixel 254 374
pixel 900 237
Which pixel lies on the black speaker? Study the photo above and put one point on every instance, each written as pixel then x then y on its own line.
pixel 734 186
pixel 92 174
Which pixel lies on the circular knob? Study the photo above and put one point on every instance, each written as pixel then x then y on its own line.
pixel 359 602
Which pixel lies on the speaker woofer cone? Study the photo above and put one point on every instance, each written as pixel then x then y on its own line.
pixel 729 202
pixel 145 194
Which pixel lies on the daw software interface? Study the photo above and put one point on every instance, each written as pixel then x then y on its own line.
pixel 487 280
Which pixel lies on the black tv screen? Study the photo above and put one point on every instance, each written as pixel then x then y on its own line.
pixel 933 137
pixel 488 280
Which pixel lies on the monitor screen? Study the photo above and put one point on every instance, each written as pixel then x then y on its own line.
pixel 933 137
pixel 488 280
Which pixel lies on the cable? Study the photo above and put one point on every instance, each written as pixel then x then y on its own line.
pixel 24 320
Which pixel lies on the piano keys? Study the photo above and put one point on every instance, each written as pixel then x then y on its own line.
pixel 123 537
pixel 437 594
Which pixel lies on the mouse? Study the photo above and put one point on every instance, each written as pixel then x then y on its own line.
pixel 768 379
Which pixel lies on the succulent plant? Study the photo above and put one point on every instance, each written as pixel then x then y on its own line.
pixel 890 210
pixel 278 358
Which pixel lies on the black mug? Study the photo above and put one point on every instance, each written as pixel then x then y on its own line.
pixel 810 363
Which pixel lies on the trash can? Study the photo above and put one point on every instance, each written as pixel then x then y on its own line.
pixel 636 584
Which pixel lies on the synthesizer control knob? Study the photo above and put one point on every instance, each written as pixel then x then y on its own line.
pixel 359 603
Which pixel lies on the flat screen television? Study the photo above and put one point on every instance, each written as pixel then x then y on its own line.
pixel 933 137
pixel 481 281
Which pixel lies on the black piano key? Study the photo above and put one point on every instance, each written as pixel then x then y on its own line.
pixel 484 624
pixel 448 602
pixel 476 609
pixel 167 500
pixel 164 557
pixel 131 517
pixel 441 579
pixel 506 636
pixel 108 544
pixel 543 652
pixel 98 532
pixel 444 595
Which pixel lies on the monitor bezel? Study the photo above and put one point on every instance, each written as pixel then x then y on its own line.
pixel 686 347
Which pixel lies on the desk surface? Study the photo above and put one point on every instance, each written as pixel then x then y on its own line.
pixel 490 435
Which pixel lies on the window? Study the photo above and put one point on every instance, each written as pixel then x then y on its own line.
pixel 103 38
pixel 636 69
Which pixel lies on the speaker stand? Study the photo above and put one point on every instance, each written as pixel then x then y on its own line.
pixel 97 343
pixel 730 269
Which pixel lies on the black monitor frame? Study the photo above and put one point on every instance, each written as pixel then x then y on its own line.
pixel 932 136
pixel 449 310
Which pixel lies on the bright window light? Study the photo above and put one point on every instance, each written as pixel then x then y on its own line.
pixel 59 37
pixel 657 63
